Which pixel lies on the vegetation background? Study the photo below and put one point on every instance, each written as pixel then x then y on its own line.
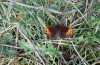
pixel 23 42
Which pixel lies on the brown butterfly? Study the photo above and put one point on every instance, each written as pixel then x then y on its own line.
pixel 58 30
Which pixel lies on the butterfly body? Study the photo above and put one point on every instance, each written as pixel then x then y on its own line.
pixel 58 30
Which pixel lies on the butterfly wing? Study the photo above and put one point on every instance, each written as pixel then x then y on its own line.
pixel 65 31
pixel 51 31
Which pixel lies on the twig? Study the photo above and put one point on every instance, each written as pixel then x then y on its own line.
pixel 9 28
pixel 32 46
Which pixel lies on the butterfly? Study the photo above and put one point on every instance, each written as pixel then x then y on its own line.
pixel 58 30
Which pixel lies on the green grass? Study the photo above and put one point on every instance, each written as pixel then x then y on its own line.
pixel 23 42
